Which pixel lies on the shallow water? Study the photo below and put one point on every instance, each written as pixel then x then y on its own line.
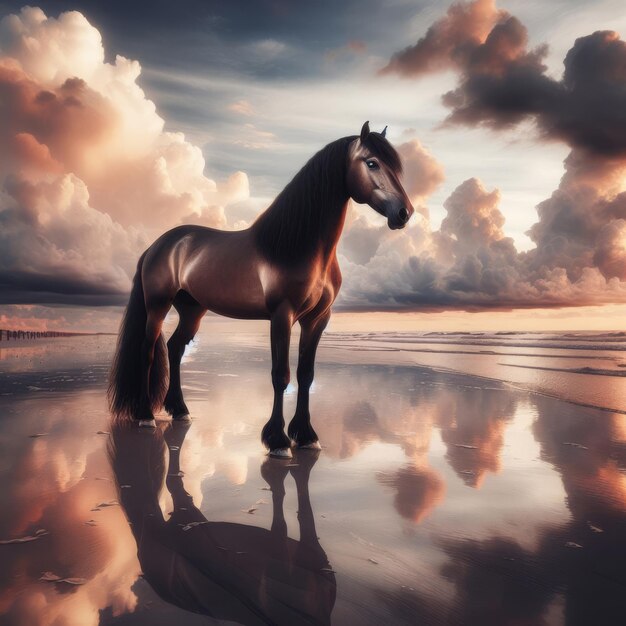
pixel 438 498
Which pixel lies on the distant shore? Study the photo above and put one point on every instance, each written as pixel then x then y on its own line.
pixel 15 338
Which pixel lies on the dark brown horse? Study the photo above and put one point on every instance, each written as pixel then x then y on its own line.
pixel 283 268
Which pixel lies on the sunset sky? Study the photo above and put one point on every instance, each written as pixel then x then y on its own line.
pixel 121 120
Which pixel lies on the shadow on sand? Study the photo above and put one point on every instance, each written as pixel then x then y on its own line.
pixel 226 570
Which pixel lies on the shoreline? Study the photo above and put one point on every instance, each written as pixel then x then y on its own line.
pixel 27 342
pixel 582 375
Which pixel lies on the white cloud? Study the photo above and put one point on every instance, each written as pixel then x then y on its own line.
pixel 91 177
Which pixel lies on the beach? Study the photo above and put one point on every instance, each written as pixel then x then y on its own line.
pixel 464 478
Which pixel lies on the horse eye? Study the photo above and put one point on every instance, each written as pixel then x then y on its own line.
pixel 371 164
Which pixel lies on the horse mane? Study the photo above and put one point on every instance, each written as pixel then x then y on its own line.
pixel 298 218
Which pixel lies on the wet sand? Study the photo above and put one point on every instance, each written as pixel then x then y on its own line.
pixel 457 485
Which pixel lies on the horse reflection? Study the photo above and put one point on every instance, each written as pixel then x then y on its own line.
pixel 226 570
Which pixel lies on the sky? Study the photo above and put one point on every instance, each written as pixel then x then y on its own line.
pixel 121 120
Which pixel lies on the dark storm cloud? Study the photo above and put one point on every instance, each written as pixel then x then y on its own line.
pixel 502 82
pixel 21 288
pixel 264 39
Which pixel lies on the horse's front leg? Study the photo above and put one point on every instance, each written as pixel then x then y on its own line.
pixel 300 429
pixel 273 434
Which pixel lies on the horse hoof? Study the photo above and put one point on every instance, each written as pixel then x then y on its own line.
pixel 281 453
pixel 146 423
pixel 314 445
pixel 185 417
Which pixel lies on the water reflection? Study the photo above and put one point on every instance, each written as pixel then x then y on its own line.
pixel 226 570
pixel 471 423
pixel 418 491
pixel 54 483
pixel 471 420
pixel 576 576
pixel 440 498
pixel 474 433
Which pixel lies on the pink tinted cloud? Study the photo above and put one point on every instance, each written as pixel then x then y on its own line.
pixel 89 176
pixel 580 235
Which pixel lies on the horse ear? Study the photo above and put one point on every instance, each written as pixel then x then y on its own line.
pixel 384 132
pixel 365 131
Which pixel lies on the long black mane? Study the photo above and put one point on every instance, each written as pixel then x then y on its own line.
pixel 300 216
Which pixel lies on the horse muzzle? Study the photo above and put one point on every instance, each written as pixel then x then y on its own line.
pixel 399 218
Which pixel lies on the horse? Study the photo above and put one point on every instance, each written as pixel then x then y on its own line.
pixel 283 268
pixel 229 571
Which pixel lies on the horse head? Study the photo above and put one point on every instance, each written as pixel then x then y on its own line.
pixel 373 177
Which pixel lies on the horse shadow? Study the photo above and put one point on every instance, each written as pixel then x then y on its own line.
pixel 229 571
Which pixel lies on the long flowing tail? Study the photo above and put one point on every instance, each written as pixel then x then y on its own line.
pixel 125 378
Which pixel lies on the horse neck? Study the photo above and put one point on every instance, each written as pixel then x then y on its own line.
pixel 333 227
pixel 307 217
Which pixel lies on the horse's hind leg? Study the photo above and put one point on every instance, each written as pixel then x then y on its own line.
pixel 190 315
pixel 153 372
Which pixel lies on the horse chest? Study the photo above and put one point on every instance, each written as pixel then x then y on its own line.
pixel 310 296
pixel 312 293
pixel 302 289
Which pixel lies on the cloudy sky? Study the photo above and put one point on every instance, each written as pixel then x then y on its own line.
pixel 121 120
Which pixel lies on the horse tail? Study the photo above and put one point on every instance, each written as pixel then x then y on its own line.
pixel 124 391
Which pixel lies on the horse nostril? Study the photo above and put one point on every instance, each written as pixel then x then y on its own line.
pixel 403 214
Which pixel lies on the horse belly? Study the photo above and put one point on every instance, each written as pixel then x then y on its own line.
pixel 243 310
pixel 229 289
